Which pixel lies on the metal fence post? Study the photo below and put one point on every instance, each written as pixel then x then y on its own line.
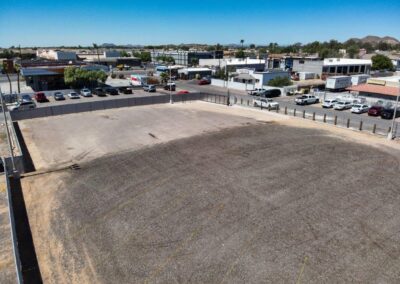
pixel 390 129
pixel 374 129
pixel 313 116
pixel 348 123
pixel 248 102
pixel 277 109
pixel 269 108
pixel 285 109
pixel 335 121
pixel 361 125
pixel 294 112
pixel 304 113
pixel 324 117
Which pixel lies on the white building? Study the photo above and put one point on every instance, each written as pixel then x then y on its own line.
pixel 111 53
pixel 52 54
pixel 333 66
pixel 258 79
pixel 233 63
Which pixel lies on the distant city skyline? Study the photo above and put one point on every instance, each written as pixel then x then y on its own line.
pixel 73 23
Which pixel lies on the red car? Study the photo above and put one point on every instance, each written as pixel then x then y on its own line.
pixel 183 92
pixel 40 97
pixel 375 111
pixel 204 82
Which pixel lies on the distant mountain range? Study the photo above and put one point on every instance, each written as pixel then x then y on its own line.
pixel 376 39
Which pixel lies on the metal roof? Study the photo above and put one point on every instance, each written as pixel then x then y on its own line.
pixel 346 61
pixel 375 89
pixel 37 72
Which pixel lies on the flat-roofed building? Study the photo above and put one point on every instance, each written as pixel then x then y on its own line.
pixel 234 63
pixel 186 58
pixel 332 66
pixel 54 54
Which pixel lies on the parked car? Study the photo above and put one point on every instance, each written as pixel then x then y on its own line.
pixel 375 110
pixel 149 88
pixel 58 96
pixel 111 91
pixel 182 92
pixel 170 87
pixel 359 108
pixel 40 97
pixel 74 95
pixel 125 90
pixel 26 98
pixel 204 82
pixel 255 92
pixel 342 105
pixel 99 92
pixel 266 103
pixel 329 103
pixel 306 100
pixel 22 106
pixel 271 93
pixel 388 113
pixel 85 92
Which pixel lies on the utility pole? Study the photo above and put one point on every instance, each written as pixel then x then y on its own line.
pixel 392 133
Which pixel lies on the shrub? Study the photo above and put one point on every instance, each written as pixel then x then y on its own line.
pixel 121 76
pixel 113 75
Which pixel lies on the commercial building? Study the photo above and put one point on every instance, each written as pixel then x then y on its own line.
pixel 258 79
pixel 332 66
pixel 54 54
pixel 385 88
pixel 186 58
pixel 115 61
pixel 49 75
pixel 234 63
pixel 192 73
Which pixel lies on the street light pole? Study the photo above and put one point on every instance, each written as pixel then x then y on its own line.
pixel 170 87
pixel 392 133
pixel 3 106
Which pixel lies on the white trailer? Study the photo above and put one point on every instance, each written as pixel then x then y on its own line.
pixel 338 82
pixel 359 79
pixel 306 76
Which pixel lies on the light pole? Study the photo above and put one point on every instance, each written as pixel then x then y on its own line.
pixel 170 85
pixel 3 106
pixel 392 133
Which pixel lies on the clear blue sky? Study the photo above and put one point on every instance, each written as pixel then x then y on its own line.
pixel 63 22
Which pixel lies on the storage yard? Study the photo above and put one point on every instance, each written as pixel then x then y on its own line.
pixel 196 193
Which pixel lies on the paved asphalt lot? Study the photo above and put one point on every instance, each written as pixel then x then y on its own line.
pixel 252 203
pixel 288 102
pixel 382 126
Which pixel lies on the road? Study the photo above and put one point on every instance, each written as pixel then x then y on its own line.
pixel 288 102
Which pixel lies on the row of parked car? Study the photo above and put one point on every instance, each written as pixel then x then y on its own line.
pixel 28 102
pixel 359 108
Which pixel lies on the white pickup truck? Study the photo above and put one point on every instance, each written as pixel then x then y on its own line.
pixel 306 100
pixel 265 103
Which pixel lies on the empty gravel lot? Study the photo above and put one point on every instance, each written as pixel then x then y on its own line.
pixel 240 201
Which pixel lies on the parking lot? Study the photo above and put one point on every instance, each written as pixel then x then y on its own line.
pixel 289 102
pixel 205 194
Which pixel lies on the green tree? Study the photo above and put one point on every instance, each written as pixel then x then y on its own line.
pixel 382 62
pixel 280 82
pixel 353 51
pixel 77 77
pixel 240 54
pixel 123 53
pixel 242 42
pixel 252 46
pixel 164 77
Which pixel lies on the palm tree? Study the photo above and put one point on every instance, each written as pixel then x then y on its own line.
pixel 242 42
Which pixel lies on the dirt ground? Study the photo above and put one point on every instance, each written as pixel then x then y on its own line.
pixel 245 197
